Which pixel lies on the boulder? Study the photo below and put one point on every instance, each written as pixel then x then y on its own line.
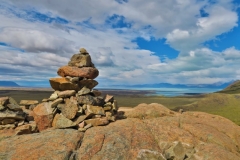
pixel 63 84
pixel 86 72
pixel 61 121
pixel 43 115
pixel 159 135
pixel 55 144
pixel 70 109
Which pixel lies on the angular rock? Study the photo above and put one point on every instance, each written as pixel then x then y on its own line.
pixel 80 60
pixel 86 72
pixel 70 109
pixel 7 121
pixel 53 96
pixel 8 126
pixel 63 84
pixel 75 79
pixel 84 91
pixel 28 102
pixel 66 93
pixel 8 114
pixel 80 111
pixel 3 102
pixel 56 102
pixel 81 129
pixel 108 108
pixel 108 114
pixel 2 107
pixel 95 110
pixel 88 126
pixel 108 98
pixel 86 99
pixel 111 119
pixel 88 83
pixel 20 123
pixel 81 125
pixel 26 129
pixel 43 115
pixel 29 114
pixel 12 101
pixel 82 118
pixel 98 101
pixel 96 93
pixel 145 154
pixel 61 121
pixel 115 105
pixel 45 100
pixel 60 106
pixel 175 152
pixel 14 107
pixel 97 121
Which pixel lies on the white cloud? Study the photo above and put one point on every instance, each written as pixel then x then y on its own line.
pixel 49 45
pixel 220 20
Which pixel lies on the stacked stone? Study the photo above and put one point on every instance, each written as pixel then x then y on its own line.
pixel 75 104
pixel 14 116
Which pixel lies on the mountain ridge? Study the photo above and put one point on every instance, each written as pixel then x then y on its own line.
pixel 8 84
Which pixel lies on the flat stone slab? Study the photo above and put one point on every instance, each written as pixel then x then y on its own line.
pixel 28 102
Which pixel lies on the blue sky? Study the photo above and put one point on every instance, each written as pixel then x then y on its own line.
pixel 130 41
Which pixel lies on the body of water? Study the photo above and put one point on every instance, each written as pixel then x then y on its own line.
pixel 171 92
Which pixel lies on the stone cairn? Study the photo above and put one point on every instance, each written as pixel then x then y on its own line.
pixel 75 104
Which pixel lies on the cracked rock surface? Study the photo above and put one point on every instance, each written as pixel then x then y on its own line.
pixel 161 134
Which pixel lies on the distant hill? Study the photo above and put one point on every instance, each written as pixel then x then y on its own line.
pixel 8 84
pixel 232 88
pixel 168 85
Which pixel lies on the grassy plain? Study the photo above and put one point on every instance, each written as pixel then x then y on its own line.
pixel 226 105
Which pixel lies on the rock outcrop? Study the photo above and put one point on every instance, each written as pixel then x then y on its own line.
pixel 147 132
pixel 75 104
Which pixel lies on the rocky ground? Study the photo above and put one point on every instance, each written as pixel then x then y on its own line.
pixel 145 132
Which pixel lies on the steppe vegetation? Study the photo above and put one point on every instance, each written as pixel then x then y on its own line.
pixel 226 105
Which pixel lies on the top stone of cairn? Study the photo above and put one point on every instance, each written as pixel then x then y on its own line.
pixel 81 59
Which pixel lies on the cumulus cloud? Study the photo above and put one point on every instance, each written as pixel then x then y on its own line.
pixel 38 46
pixel 34 40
